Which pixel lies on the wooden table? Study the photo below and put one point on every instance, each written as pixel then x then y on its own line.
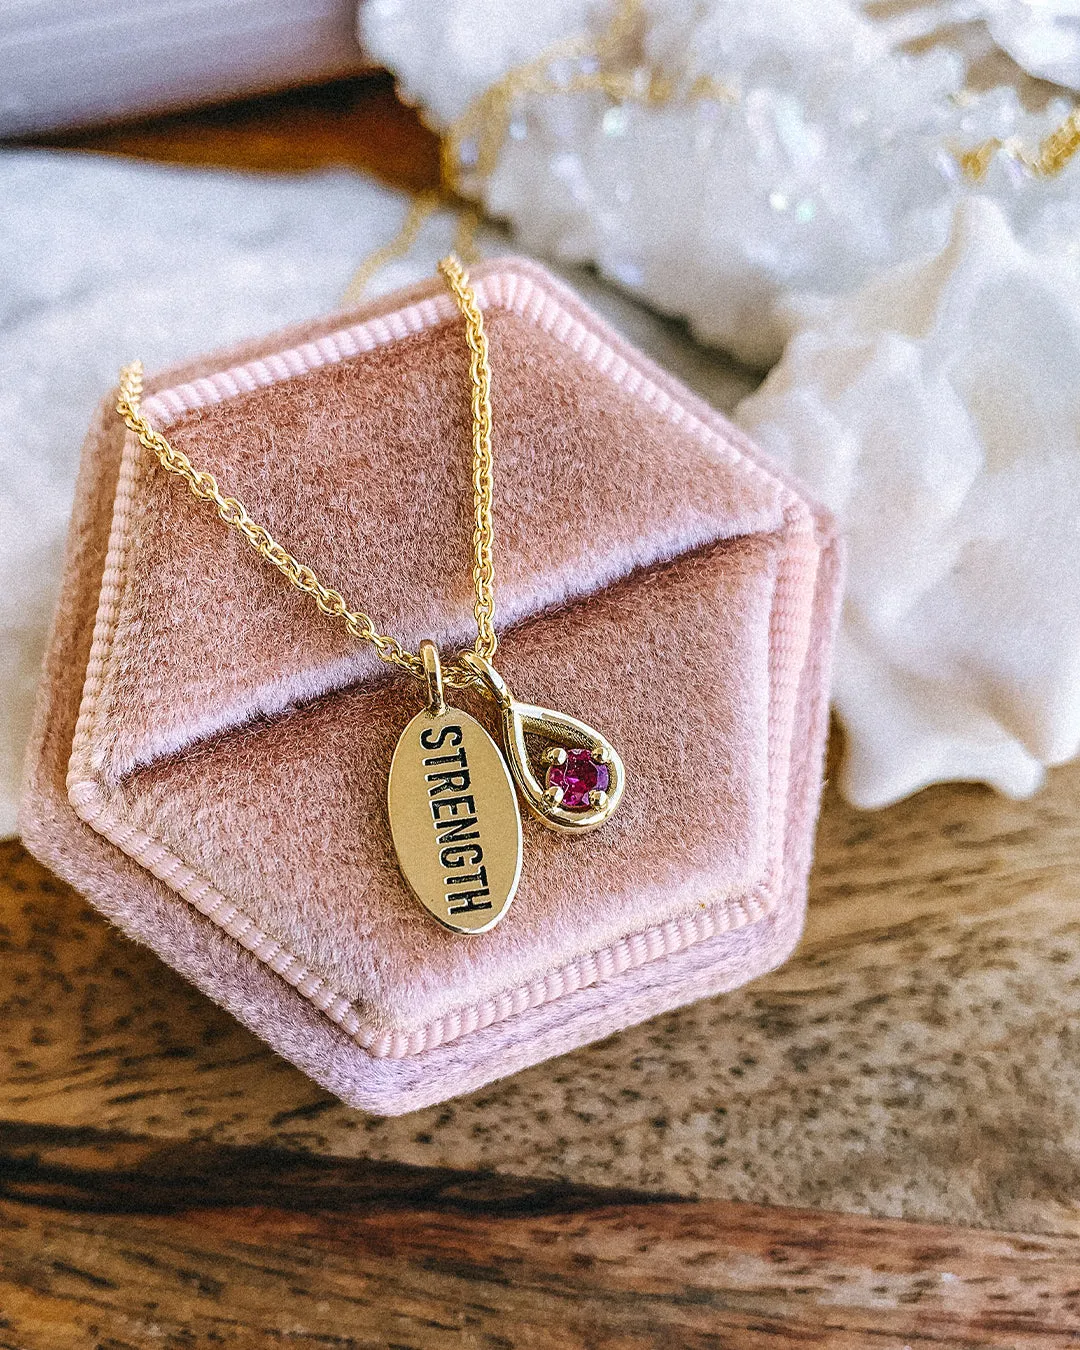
pixel 878 1145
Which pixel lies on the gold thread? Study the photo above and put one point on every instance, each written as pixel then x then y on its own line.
pixel 1054 152
pixel 421 207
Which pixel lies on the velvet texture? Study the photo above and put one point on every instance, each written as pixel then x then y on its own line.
pixel 222 795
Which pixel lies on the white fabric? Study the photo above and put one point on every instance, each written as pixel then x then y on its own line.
pixel 937 412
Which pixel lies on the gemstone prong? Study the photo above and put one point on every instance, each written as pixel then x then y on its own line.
pixel 600 754
pixel 578 773
pixel 554 795
pixel 554 754
pixel 597 799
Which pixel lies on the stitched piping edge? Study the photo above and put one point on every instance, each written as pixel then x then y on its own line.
pixel 524 297
pixel 674 935
pixel 511 291
pixel 629 953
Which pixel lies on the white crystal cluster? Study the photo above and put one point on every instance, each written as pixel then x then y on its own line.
pixel 1041 36
pixel 794 150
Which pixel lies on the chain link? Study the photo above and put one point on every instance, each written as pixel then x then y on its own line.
pixel 422 206
pixel 483 477
pixel 203 485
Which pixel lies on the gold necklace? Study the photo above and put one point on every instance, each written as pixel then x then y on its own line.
pixel 453 812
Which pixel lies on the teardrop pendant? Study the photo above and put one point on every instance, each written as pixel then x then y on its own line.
pixel 584 775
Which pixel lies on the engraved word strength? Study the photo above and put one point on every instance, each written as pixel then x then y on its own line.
pixel 455 820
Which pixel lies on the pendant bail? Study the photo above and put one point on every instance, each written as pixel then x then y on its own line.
pixel 433 675
pixel 493 682
pixel 566 806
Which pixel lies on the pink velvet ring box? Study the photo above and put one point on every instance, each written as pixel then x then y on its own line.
pixel 210 757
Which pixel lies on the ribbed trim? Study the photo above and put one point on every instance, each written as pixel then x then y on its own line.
pixel 788 638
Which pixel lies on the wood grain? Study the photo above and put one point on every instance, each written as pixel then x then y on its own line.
pixel 354 123
pixel 919 1058
pixel 123 1242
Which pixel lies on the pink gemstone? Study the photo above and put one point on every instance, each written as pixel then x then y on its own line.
pixel 580 775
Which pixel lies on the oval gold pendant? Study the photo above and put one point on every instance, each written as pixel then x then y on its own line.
pixel 454 819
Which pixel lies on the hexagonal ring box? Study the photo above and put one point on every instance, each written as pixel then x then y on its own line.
pixel 210 756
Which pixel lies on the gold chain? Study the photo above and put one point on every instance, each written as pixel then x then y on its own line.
pixel 1047 160
pixel 483 479
pixel 330 602
pixel 421 207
